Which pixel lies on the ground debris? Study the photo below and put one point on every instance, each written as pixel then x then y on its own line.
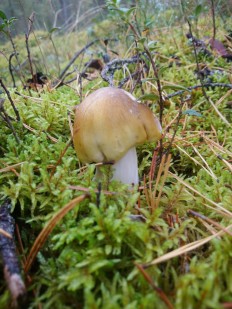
pixel 8 255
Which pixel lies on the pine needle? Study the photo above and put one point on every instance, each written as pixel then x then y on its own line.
pixel 4 233
pixel 9 168
pixel 184 249
pixel 42 237
pixel 200 194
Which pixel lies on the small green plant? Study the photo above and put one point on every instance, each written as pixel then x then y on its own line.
pixel 6 24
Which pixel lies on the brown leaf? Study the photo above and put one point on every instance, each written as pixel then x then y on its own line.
pixel 218 47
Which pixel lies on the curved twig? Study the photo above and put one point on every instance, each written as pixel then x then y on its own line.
pixel 77 54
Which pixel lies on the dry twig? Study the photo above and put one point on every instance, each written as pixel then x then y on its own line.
pixel 12 270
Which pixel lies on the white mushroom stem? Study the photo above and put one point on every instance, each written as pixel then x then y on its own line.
pixel 126 169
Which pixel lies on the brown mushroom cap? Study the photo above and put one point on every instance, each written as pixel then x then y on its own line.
pixel 109 122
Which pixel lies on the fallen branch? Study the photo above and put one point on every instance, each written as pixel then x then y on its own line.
pixel 75 57
pixel 60 81
pixel 109 69
pixel 126 79
pixel 206 85
pixel 8 253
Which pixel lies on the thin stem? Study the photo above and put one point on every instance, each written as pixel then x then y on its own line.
pixel 10 68
pixel 10 99
pixel 30 25
pixel 75 57
pixel 214 21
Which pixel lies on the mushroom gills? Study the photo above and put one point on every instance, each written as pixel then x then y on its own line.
pixel 125 169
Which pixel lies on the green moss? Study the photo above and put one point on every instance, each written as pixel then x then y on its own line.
pixel 89 260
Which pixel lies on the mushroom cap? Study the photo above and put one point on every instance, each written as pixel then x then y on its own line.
pixel 109 122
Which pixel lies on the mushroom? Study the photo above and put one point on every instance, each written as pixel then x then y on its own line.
pixel 108 125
